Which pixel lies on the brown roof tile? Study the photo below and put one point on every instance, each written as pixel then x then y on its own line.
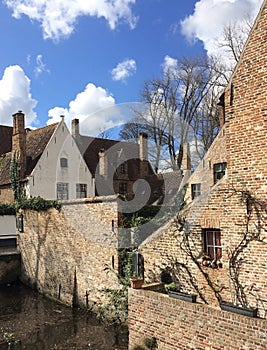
pixel 5 139
pixel 36 141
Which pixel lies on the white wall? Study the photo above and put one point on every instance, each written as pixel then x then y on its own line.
pixel 7 224
pixel 48 172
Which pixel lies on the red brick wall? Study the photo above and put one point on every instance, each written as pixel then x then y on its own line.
pixel 178 324
pixel 242 144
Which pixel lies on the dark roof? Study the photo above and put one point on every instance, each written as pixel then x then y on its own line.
pixel 115 151
pixel 5 139
pixel 36 141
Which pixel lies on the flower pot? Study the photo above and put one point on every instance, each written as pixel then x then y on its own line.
pixel 227 306
pixel 192 298
pixel 136 283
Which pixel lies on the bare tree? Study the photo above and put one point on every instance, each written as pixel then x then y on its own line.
pixel 173 103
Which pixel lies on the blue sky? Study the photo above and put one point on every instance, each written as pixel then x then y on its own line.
pixel 76 57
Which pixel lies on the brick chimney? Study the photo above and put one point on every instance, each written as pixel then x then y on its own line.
pixel 102 164
pixel 186 162
pixel 75 130
pixel 19 141
pixel 143 146
pixel 143 154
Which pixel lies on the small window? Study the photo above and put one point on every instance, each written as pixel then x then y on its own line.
pixel 212 243
pixel 62 190
pixel 195 190
pixel 63 162
pixel 81 190
pixel 219 171
pixel 123 188
pixel 123 168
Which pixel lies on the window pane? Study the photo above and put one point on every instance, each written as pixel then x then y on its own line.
pixel 212 243
pixel 64 162
pixel 62 190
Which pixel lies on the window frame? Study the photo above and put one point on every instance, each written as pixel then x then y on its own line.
pixel 81 190
pixel 195 190
pixel 63 192
pixel 63 162
pixel 123 168
pixel 218 174
pixel 125 188
pixel 213 250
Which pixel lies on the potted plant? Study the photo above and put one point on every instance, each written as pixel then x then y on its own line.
pixel 174 291
pixel 136 281
pixel 228 306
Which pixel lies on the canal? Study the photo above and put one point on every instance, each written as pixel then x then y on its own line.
pixel 30 321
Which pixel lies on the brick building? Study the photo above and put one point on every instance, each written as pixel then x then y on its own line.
pixel 216 247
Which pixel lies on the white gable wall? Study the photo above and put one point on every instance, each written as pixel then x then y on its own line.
pixel 48 171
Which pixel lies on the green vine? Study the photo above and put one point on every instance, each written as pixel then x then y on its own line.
pixel 15 179
pixel 36 203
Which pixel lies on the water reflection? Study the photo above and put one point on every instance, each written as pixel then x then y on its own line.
pixel 40 324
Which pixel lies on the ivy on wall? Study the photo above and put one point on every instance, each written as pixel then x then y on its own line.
pixel 35 203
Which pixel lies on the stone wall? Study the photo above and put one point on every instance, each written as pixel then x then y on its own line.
pixel 81 239
pixel 6 195
pixel 179 324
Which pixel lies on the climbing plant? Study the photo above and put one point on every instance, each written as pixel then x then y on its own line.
pixel 15 179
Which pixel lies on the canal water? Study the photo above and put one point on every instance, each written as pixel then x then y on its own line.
pixel 31 322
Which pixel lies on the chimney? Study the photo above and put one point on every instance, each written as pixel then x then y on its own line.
pixel 102 164
pixel 143 154
pixel 143 146
pixel 19 141
pixel 186 161
pixel 75 127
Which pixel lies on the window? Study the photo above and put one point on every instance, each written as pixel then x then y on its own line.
pixel 123 168
pixel 212 243
pixel 195 190
pixel 62 190
pixel 63 162
pixel 219 171
pixel 81 190
pixel 123 188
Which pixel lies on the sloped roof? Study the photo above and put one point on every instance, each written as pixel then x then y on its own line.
pixel 36 141
pixel 116 151
pixel 5 139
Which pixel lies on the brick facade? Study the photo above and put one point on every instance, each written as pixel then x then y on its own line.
pixel 235 206
pixel 179 324
pixel 80 238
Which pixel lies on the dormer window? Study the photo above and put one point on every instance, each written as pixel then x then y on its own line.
pixel 63 162
pixel 219 171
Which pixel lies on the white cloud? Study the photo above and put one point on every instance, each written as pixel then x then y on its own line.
pixel 94 107
pixel 124 70
pixel 211 16
pixel 40 66
pixel 58 17
pixel 15 95
pixel 169 64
